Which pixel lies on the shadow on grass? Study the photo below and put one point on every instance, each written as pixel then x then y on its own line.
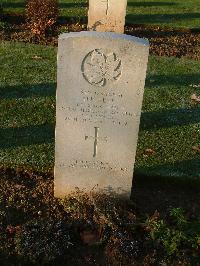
pixel 164 193
pixel 186 172
pixel 73 19
pixel 169 118
pixel 73 5
pixel 161 18
pixel 24 91
pixel 31 135
pixel 150 4
pixel 172 117
pixel 153 81
pixel 11 4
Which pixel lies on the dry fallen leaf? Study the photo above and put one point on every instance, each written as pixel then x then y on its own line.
pixel 195 85
pixel 13 229
pixel 196 149
pixel 131 216
pixel 195 98
pixel 149 151
pixel 19 186
pixel 89 237
pixel 36 57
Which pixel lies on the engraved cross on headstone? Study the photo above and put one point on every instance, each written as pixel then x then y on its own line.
pixel 107 5
pixel 96 140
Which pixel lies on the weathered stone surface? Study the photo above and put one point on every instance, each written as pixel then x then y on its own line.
pixel 99 97
pixel 107 15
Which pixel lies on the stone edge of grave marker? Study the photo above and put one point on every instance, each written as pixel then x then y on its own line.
pixel 102 24
pixel 107 35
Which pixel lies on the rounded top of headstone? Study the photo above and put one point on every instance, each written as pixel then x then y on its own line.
pixel 104 35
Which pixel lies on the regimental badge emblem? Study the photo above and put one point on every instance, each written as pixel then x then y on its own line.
pixel 99 68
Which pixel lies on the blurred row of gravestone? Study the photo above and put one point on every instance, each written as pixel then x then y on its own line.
pixel 101 76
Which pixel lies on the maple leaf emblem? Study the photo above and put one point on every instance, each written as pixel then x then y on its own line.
pixel 99 68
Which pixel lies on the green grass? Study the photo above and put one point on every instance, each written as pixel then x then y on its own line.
pixel 27 104
pixel 170 123
pixel 170 13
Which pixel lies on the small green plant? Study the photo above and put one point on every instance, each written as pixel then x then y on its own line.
pixel 178 215
pixel 4 26
pixel 64 29
pixel 177 236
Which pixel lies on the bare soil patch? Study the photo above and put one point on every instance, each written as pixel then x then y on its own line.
pixel 36 228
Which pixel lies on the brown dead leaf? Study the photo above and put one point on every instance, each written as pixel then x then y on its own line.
pixel 195 85
pixel 196 149
pixel 195 98
pixel 131 216
pixel 10 229
pixel 89 237
pixel 37 57
pixel 149 152
pixel 19 186
pixel 13 229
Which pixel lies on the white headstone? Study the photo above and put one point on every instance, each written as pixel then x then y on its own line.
pixel 99 98
pixel 107 15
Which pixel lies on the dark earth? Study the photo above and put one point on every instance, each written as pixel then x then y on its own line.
pixel 163 41
pixel 37 228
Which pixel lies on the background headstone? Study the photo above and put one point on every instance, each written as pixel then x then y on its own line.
pixel 107 15
pixel 99 98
